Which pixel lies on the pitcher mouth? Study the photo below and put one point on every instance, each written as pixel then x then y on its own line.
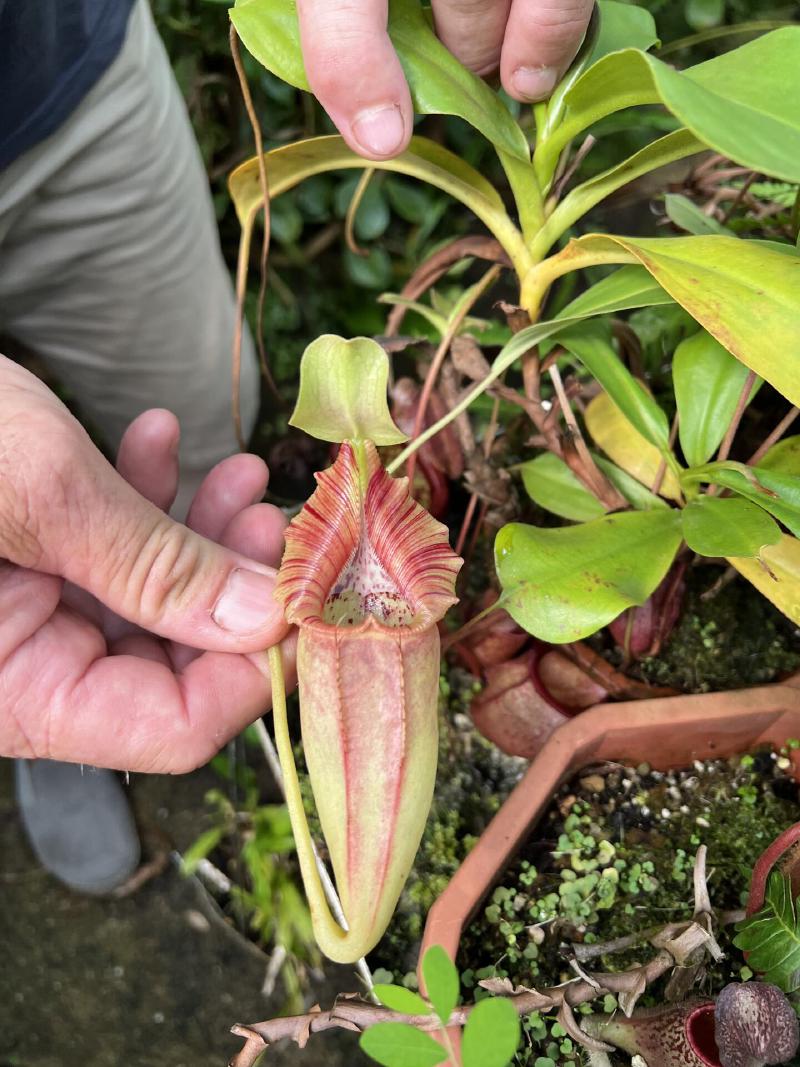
pixel 700 1034
pixel 363 554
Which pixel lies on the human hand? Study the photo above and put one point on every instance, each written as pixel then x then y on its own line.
pixel 77 683
pixel 354 71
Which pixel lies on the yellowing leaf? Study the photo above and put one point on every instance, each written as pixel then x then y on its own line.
pixel 429 162
pixel 745 293
pixel 778 577
pixel 623 443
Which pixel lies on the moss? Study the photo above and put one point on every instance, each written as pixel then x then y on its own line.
pixel 614 856
pixel 733 638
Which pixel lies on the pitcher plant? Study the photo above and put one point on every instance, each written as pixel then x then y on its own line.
pixel 366 576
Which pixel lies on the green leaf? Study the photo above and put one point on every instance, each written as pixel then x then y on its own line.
pixel 343 392
pixel 551 484
pixel 633 491
pixel 613 26
pixel 775 492
pixel 737 103
pixel 676 145
pixel 200 848
pixel 708 382
pixel 590 342
pixel 441 981
pixel 784 456
pixel 687 216
pixel 409 201
pixel 772 936
pixel 401 1045
pixel 424 159
pixel 628 287
pixel 372 215
pixel 745 293
pixel 439 83
pixel 776 575
pixel 703 14
pixel 623 25
pixel 727 526
pixel 519 344
pixel 787 489
pixel 398 998
pixel 439 322
pixel 372 271
pixel 491 1035
pixel 564 584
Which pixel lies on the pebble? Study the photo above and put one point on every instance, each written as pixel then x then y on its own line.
pixel 197 921
pixel 593 783
pixel 702 822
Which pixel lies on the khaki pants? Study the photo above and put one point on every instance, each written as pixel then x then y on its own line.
pixel 110 266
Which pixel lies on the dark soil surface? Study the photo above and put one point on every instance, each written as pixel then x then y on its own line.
pixel 155 979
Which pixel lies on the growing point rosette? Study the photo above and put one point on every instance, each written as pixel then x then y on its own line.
pixel 366 576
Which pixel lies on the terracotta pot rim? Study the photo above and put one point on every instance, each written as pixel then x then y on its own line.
pixel 665 732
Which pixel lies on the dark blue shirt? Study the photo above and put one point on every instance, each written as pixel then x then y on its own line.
pixel 51 54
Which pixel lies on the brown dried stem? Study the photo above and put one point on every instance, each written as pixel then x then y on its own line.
pixel 429 272
pixel 733 425
pixel 578 457
pixel 454 325
pixel 262 289
pixel 775 436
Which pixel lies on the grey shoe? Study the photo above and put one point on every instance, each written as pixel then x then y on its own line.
pixel 78 823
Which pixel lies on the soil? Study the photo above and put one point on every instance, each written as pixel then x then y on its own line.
pixel 151 979
pixel 728 636
pixel 613 856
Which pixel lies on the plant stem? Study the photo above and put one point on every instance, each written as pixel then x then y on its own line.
pixel 527 194
pixel 775 436
pixel 716 32
pixel 451 639
pixel 541 276
pixel 733 426
pixel 589 473
pixel 262 177
pixel 473 294
pixel 454 1060
pixel 335 942
pixel 655 489
pixel 352 211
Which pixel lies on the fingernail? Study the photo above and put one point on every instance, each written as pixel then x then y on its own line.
pixel 534 83
pixel 247 603
pixel 380 130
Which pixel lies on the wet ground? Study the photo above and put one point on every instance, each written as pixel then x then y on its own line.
pixel 155 979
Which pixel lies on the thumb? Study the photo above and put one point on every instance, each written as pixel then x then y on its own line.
pixel 162 576
pixel 71 514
